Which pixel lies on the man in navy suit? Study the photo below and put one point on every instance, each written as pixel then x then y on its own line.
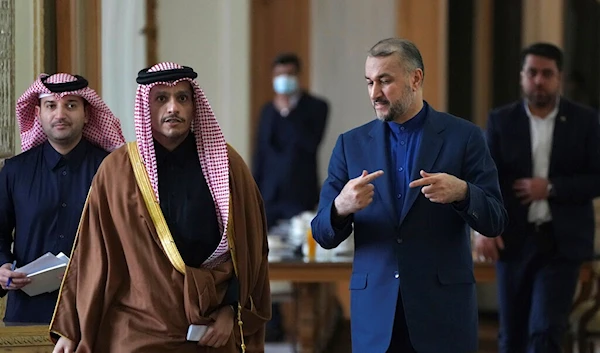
pixel 409 183
pixel 290 131
pixel 546 149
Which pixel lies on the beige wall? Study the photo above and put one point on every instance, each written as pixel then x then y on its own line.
pixel 431 41
pixel 342 33
pixel 213 37
pixel 122 59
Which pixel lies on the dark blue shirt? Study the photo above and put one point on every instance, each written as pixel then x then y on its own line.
pixel 404 144
pixel 42 194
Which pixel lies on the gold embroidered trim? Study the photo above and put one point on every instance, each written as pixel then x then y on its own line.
pixel 164 234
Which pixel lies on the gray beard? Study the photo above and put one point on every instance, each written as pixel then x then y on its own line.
pixel 397 109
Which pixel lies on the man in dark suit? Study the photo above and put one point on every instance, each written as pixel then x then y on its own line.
pixel 546 149
pixel 284 166
pixel 410 183
pixel 290 131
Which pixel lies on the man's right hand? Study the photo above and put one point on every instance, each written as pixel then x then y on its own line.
pixel 64 345
pixel 356 194
pixel 18 281
pixel 487 248
pixel 281 102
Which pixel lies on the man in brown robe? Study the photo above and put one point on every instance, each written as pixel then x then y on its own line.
pixel 173 234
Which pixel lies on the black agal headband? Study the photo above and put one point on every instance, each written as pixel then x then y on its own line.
pixel 145 78
pixel 69 86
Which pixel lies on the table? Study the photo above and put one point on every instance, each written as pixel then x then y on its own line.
pixel 312 280
pixel 333 269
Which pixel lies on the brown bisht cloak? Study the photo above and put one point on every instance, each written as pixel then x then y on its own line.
pixel 126 288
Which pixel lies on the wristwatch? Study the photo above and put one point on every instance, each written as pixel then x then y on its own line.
pixel 551 191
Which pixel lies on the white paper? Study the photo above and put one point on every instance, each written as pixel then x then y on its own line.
pixel 45 272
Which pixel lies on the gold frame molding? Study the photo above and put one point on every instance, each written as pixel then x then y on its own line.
pixel 7 98
pixel 25 338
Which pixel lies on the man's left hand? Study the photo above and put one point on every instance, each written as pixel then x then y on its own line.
pixel 219 332
pixel 531 189
pixel 441 187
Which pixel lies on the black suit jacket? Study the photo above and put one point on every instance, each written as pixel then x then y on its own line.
pixel 285 159
pixel 574 171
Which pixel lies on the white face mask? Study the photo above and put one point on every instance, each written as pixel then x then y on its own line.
pixel 285 84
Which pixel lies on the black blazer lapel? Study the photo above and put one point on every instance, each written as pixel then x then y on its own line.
pixel 560 137
pixel 520 138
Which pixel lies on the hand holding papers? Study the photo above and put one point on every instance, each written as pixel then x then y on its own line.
pixel 10 280
pixel 45 272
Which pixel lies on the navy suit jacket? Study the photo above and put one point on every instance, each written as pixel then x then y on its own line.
pixel 574 171
pixel 285 161
pixel 427 253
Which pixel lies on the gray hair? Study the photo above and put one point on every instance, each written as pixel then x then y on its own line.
pixel 406 50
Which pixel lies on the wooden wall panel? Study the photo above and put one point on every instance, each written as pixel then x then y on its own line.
pixel 78 39
pixel 482 58
pixel 92 43
pixel 276 26
pixel 65 27
pixel 424 22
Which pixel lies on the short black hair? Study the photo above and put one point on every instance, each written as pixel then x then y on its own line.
pixel 546 50
pixel 287 58
pixel 406 49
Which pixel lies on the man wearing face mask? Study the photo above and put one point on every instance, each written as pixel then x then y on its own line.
pixel 290 130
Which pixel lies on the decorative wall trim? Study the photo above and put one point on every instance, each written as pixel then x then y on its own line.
pixel 7 79
pixel 25 336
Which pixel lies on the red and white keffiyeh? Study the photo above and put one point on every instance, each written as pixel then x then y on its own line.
pixel 102 129
pixel 211 146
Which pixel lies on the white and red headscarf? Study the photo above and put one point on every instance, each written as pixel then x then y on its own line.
pixel 210 142
pixel 102 129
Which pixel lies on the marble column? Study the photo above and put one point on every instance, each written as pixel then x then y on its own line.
pixel 7 79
